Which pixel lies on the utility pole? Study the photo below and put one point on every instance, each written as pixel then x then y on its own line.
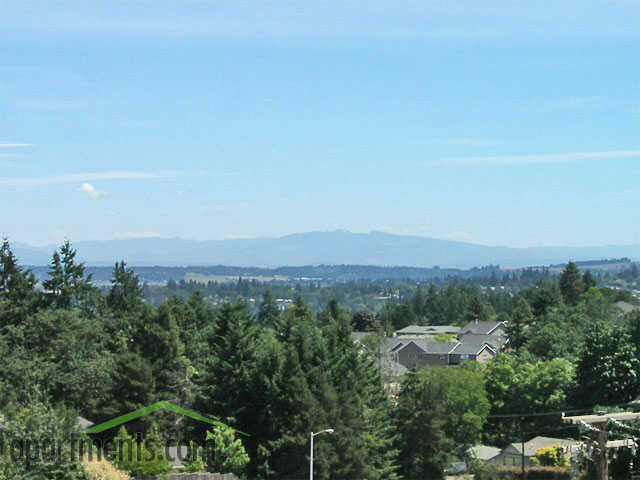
pixel 522 446
pixel 602 421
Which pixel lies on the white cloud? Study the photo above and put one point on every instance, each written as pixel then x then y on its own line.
pixel 92 191
pixel 82 177
pixel 15 145
pixel 537 158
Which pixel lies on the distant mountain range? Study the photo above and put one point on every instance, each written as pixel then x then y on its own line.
pixel 328 248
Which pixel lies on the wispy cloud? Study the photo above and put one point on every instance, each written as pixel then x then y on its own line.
pixel 84 177
pixel 92 191
pixel 536 158
pixel 15 145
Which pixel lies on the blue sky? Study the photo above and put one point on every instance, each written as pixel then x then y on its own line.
pixel 497 122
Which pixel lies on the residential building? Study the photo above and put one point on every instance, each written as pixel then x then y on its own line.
pixel 483 453
pixel 512 454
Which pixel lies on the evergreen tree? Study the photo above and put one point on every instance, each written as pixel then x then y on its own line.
pixel 269 311
pixel 520 319
pixel 588 280
pixel 571 284
pixel 67 285
pixel 18 297
pixel 422 444
pixel 125 294
pixel 225 453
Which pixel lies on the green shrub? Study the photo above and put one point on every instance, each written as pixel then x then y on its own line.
pixel 150 460
pixel 552 456
pixel 33 431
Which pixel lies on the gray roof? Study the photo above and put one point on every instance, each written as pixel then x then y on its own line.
pixel 535 443
pixel 471 348
pixel 433 346
pixel 497 342
pixel 484 452
pixel 483 328
pixel 391 343
pixel 427 330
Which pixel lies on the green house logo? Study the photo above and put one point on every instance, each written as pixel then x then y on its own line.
pixel 128 417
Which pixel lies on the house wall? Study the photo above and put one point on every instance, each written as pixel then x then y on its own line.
pixel 457 359
pixel 484 356
pixel 510 459
pixel 411 356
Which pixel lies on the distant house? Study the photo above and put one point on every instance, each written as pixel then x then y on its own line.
pixel 511 455
pixel 415 331
pixel 465 352
pixel 483 453
pixel 415 346
pixel 419 353
pixel 485 328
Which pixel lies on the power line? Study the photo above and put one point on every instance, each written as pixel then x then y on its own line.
pixel 557 412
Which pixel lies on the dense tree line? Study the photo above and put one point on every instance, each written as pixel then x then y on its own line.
pixel 353 293
pixel 71 348
pixel 275 377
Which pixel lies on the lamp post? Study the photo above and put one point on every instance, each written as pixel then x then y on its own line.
pixel 328 430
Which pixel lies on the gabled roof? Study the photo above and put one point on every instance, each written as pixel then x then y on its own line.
pixel 392 343
pixel 431 346
pixel 471 349
pixel 535 443
pixel 484 452
pixel 482 328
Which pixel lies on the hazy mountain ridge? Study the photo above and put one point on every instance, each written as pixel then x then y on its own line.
pixel 314 248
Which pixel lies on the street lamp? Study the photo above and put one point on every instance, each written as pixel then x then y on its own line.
pixel 328 430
